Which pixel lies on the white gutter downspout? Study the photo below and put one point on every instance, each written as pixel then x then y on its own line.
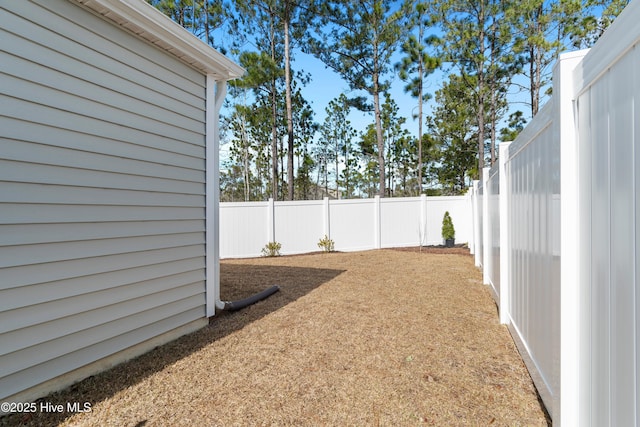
pixel 215 94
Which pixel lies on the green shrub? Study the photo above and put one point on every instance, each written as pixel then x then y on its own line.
pixel 326 244
pixel 271 249
pixel 448 232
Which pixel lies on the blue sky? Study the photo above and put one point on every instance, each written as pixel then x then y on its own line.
pixel 327 85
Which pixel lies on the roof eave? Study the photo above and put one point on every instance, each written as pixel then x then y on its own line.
pixel 144 20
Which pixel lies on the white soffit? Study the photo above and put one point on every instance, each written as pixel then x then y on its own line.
pixel 150 24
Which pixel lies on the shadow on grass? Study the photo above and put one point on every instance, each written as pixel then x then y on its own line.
pixel 237 281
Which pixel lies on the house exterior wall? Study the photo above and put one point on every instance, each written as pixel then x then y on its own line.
pixel 102 192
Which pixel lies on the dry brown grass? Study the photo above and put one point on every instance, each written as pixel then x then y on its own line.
pixel 390 338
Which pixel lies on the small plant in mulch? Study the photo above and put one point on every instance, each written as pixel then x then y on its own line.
pixel 448 231
pixel 271 249
pixel 326 244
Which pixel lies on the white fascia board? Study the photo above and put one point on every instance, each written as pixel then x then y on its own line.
pixel 150 24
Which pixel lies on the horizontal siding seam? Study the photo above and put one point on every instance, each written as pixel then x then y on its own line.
pixel 81 204
pixel 26 378
pixel 35 77
pixel 16 235
pixel 28 392
pixel 72 117
pixel 68 237
pixel 61 289
pixel 104 239
pixel 85 322
pixel 99 333
pixel 66 103
pixel 110 164
pixel 143 178
pixel 91 29
pixel 169 101
pixel 23 213
pixel 100 137
pixel 89 47
pixel 126 291
pixel 58 256
pixel 199 255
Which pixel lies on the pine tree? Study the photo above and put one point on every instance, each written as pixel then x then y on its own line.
pixel 473 40
pixel 358 42
pixel 415 66
pixel 336 135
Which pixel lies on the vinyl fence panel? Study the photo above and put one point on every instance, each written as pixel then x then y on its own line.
pixel 401 222
pixel 607 107
pixel 459 207
pixel 299 225
pixel 570 231
pixel 244 229
pixel 534 285
pixel 353 224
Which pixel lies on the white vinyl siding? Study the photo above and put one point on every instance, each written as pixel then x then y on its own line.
pixel 102 191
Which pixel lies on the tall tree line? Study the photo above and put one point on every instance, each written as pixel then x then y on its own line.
pixel 492 52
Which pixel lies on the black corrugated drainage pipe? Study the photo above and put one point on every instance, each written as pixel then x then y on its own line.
pixel 240 304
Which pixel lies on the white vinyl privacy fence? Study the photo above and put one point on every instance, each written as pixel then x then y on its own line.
pixel 560 217
pixel 353 224
pixel 522 247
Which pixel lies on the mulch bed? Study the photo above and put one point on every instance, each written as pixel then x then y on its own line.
pixel 457 249
pixel 389 337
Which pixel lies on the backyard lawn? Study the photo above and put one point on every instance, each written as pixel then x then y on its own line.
pixel 387 337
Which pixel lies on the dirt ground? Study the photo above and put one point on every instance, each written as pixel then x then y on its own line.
pixel 375 338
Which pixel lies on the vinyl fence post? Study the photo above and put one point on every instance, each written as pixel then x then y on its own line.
pixel 376 222
pixel 326 228
pixel 573 403
pixel 423 220
pixel 271 220
pixel 486 230
pixel 477 224
pixel 505 246
pixel 470 241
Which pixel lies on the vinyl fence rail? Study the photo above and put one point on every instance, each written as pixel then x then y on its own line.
pixel 353 224
pixel 560 222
